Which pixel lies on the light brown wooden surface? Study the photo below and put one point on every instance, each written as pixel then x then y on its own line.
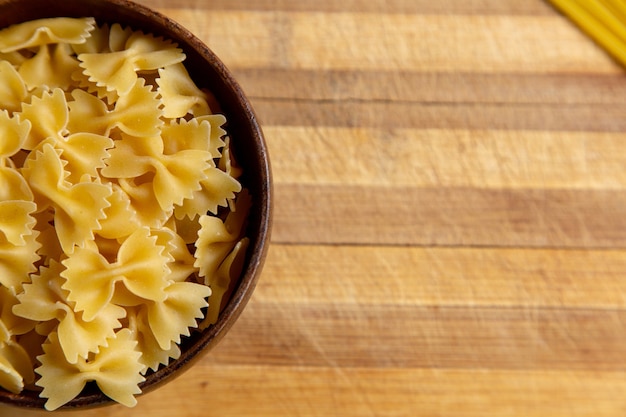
pixel 450 220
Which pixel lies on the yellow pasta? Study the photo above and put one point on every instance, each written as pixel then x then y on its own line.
pixel 153 356
pixel 217 238
pixel 182 264
pixel 138 113
pixel 174 177
pixel 220 282
pixel 13 90
pixel 78 208
pixel 16 366
pixel 115 368
pixel 45 300
pixel 121 214
pixel 52 66
pixel 179 93
pixel 602 20
pixel 45 31
pixel 18 244
pixel 48 116
pixel 141 266
pixel 82 153
pixel 117 70
pixel 13 132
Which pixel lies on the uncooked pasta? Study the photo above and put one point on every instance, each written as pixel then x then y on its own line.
pixel 122 216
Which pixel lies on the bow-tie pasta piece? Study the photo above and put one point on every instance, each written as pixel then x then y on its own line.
pixel 82 83
pixel 96 42
pixel 202 133
pixel 182 261
pixel 13 132
pixel 178 176
pixel 187 228
pixel 13 186
pixel 82 154
pixel 88 114
pixel 152 355
pixel 138 113
pixel 118 37
pixel 141 151
pixel 78 208
pixel 141 266
pixel 13 90
pixel 45 300
pixel 121 218
pixel 48 116
pixel 51 67
pixel 143 201
pixel 18 261
pixel 174 177
pixel 217 238
pixel 118 70
pixel 16 221
pixel 16 208
pixel 227 163
pixel 13 323
pixel 180 94
pixel 221 281
pixel 217 189
pixel 116 369
pixel 47 236
pixel 218 133
pixel 172 318
pixel 15 365
pixel 159 325
pixel 45 31
pixel 18 239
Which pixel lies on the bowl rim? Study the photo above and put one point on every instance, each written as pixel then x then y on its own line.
pixel 261 233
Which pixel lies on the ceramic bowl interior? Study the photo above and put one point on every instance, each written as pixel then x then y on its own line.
pixel 249 149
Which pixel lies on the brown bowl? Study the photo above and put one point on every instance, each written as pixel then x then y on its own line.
pixel 249 149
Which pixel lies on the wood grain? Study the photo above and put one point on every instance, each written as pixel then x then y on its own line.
pixel 449 238
pixel 396 41
pixel 451 277
pixel 482 7
pixel 433 87
pixel 420 158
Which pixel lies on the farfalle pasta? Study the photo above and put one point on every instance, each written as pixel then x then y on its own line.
pixel 13 90
pixel 117 70
pixel 122 217
pixel 41 32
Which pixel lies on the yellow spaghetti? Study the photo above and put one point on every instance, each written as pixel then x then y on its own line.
pixel 603 20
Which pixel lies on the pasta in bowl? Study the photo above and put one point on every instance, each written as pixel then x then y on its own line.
pixel 135 201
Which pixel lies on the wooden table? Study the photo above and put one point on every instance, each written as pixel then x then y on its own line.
pixel 450 224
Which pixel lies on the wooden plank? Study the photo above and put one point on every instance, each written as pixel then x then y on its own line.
pixel 389 115
pixel 433 87
pixel 471 7
pixel 397 42
pixel 406 157
pixel 416 336
pixel 211 389
pixel 378 276
pixel 449 216
pixel 356 392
